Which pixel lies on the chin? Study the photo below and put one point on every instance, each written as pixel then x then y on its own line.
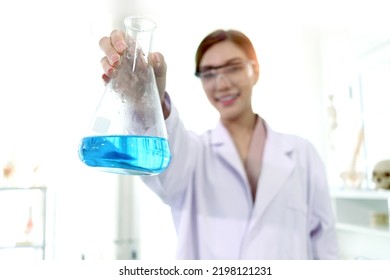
pixel 229 115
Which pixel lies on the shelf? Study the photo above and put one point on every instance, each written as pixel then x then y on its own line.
pixel 374 231
pixel 23 220
pixel 22 245
pixel 41 188
pixel 362 222
pixel 360 194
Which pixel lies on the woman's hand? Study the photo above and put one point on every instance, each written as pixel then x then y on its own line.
pixel 114 46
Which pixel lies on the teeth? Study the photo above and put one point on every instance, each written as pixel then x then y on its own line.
pixel 226 98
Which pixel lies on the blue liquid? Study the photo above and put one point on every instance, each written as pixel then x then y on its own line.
pixel 130 155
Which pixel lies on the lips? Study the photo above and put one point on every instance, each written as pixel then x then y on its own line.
pixel 227 99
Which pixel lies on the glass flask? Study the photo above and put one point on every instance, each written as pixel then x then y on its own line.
pixel 127 133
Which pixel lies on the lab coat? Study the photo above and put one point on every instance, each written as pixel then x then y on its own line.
pixel 213 211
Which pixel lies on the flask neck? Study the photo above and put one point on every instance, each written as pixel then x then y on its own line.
pixel 139 35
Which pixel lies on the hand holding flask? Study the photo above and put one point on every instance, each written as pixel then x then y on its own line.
pixel 128 133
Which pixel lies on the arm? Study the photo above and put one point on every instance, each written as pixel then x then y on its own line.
pixel 171 184
pixel 322 219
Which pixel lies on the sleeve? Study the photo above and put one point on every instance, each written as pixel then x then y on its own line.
pixel 171 184
pixel 322 221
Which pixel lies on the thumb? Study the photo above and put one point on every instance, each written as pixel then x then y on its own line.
pixel 160 71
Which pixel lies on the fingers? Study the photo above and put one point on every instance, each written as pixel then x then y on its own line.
pixel 159 64
pixel 160 70
pixel 107 67
pixel 105 78
pixel 118 40
pixel 115 43
pixel 113 46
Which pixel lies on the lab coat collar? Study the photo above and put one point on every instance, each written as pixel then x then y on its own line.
pixel 225 148
pixel 276 165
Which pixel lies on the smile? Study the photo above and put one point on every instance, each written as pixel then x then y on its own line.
pixel 227 99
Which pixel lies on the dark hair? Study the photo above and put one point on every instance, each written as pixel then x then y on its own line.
pixel 237 37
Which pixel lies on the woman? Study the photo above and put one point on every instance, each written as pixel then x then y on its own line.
pixel 240 190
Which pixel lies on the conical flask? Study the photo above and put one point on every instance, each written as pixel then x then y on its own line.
pixel 128 133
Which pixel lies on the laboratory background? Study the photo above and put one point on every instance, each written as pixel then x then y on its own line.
pixel 324 75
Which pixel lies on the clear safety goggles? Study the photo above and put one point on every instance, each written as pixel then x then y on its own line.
pixel 235 71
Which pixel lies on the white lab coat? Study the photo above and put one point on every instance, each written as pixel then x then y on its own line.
pixel 215 218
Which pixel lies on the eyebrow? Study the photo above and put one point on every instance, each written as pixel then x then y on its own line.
pixel 230 61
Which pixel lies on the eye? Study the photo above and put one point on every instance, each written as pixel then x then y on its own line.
pixel 208 75
pixel 233 68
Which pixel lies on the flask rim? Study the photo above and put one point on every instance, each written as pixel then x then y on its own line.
pixel 140 23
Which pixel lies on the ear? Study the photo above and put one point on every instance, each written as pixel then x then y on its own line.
pixel 256 72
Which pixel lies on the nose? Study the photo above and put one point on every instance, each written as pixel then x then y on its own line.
pixel 222 81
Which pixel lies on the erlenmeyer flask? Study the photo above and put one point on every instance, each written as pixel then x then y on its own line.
pixel 128 133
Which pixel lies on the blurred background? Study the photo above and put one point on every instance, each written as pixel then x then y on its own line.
pixel 325 75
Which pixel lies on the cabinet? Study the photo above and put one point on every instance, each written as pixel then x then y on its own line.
pixel 23 223
pixel 362 223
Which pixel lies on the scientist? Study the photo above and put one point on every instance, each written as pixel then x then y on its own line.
pixel 240 190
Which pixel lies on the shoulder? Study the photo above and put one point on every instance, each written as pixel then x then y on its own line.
pixel 297 144
pixel 290 138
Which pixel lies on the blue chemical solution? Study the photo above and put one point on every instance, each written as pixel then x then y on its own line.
pixel 129 155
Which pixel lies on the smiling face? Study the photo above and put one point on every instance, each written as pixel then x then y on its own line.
pixel 228 76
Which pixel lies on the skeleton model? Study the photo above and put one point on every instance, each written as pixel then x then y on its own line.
pixel 352 177
pixel 381 175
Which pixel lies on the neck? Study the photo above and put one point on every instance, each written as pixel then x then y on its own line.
pixel 244 123
pixel 241 131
